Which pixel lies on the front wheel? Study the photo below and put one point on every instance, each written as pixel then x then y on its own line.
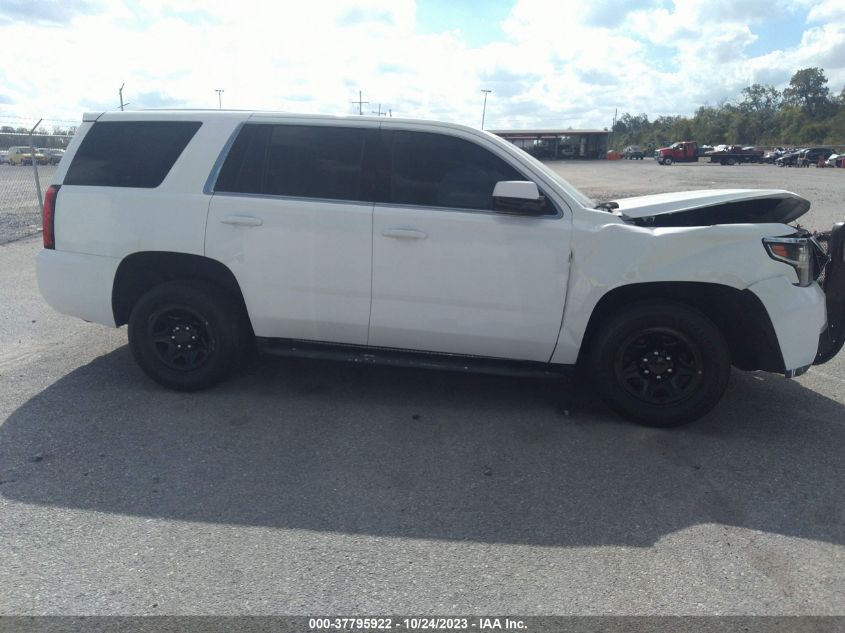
pixel 187 335
pixel 667 161
pixel 660 363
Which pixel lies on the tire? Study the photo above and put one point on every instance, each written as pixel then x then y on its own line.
pixel 187 313
pixel 667 160
pixel 660 363
pixel 732 161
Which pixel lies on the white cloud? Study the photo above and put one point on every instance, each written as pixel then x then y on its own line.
pixel 560 64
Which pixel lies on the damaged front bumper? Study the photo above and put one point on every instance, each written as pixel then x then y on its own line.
pixel 832 282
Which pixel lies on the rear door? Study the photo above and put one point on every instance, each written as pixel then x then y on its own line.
pixel 449 273
pixel 291 216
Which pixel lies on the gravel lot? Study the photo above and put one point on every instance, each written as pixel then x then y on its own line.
pixel 608 180
pixel 317 488
pixel 19 212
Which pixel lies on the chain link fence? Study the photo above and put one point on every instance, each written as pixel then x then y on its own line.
pixel 23 173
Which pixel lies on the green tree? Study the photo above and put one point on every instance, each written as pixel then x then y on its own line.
pixel 760 98
pixel 808 90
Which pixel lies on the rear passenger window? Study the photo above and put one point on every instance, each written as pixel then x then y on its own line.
pixel 434 170
pixel 129 153
pixel 296 160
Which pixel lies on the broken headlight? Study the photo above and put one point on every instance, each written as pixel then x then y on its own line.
pixel 802 253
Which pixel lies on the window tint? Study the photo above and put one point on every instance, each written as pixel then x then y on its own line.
pixel 296 160
pixel 129 153
pixel 434 170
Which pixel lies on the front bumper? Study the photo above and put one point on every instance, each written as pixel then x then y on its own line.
pixel 798 317
pixel 832 282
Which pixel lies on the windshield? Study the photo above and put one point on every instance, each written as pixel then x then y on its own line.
pixel 581 198
pixel 524 156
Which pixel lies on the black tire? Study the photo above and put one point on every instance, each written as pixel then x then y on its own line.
pixel 691 359
pixel 180 315
pixel 732 161
pixel 668 160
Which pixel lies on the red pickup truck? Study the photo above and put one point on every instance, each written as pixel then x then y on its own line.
pixel 680 152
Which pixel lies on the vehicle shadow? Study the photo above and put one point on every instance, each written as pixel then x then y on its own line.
pixel 413 453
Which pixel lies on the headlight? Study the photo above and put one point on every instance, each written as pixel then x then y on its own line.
pixel 802 253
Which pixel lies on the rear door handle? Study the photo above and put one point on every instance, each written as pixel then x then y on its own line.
pixel 405 234
pixel 242 220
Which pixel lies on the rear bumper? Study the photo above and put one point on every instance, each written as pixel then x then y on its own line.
pixel 77 284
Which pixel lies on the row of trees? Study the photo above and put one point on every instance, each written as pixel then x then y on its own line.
pixel 58 137
pixel 804 113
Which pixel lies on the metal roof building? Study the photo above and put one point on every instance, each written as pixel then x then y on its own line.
pixel 556 143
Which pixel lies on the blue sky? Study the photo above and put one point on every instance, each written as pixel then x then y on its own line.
pixel 549 63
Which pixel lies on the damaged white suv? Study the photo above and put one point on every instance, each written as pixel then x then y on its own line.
pixel 428 244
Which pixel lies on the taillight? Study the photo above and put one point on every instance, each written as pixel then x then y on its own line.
pixel 48 216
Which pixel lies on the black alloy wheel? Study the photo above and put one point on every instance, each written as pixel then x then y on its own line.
pixel 188 334
pixel 182 338
pixel 659 362
pixel 659 366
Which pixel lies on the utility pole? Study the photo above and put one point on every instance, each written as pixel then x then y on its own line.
pixel 35 163
pixel 361 103
pixel 613 127
pixel 219 92
pixel 120 92
pixel 484 108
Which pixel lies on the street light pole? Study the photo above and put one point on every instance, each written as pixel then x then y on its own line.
pixel 219 92
pixel 484 109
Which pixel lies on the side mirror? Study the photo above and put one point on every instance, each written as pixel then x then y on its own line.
pixel 518 196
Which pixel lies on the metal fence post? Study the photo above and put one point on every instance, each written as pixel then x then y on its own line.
pixel 35 164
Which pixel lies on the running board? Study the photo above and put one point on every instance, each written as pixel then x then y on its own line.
pixel 408 358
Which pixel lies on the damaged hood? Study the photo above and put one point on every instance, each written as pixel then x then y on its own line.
pixel 713 206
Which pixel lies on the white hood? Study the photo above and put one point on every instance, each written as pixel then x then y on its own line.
pixel 714 206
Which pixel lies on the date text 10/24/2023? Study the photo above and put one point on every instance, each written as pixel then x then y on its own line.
pixel 416 624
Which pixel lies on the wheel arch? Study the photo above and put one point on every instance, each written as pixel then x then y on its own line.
pixel 738 314
pixel 140 272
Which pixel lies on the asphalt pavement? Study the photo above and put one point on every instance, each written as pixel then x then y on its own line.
pixel 309 488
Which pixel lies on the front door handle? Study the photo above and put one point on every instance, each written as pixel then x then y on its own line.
pixel 405 234
pixel 242 220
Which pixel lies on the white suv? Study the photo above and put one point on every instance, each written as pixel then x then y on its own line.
pixel 423 243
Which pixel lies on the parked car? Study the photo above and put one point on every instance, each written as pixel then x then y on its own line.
pixel 771 156
pixel 4 157
pixel 812 156
pixel 835 160
pixel 789 159
pixel 23 156
pixel 426 244
pixel 633 152
pixel 52 156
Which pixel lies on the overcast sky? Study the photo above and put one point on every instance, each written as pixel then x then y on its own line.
pixel 549 63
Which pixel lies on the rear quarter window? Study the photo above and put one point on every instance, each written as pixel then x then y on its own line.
pixel 129 153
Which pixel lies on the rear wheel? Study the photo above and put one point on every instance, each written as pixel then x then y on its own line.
pixel 187 335
pixel 660 363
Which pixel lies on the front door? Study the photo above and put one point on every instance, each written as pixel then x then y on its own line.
pixel 451 275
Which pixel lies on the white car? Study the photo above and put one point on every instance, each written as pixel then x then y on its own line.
pixel 428 244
